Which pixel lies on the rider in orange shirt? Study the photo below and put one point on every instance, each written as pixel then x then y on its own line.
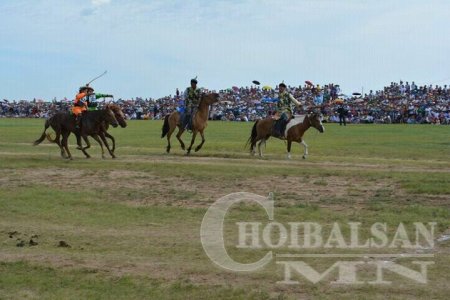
pixel 81 102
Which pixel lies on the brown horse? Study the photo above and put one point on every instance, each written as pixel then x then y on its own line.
pixel 120 117
pixel 93 124
pixel 262 131
pixel 199 123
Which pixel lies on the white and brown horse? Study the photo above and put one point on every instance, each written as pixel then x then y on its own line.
pixel 199 123
pixel 262 131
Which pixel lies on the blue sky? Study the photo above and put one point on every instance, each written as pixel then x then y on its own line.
pixel 48 48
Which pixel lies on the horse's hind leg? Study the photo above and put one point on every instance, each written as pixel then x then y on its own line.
pixel 88 145
pixel 58 142
pixel 305 147
pixel 180 132
pixel 253 147
pixel 64 142
pixel 203 141
pixel 259 147
pixel 169 134
pixel 289 144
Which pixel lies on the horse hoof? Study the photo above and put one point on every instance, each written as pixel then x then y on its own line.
pixel 113 156
pixel 304 156
pixel 196 149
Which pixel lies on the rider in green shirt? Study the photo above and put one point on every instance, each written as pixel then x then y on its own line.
pixel 284 109
pixel 191 102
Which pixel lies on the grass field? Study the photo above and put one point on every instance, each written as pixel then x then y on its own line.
pixel 130 227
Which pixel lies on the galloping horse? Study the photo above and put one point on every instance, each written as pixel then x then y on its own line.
pixel 120 117
pixel 93 124
pixel 262 131
pixel 199 123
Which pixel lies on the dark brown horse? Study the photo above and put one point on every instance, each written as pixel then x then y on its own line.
pixel 120 119
pixel 262 131
pixel 92 123
pixel 199 123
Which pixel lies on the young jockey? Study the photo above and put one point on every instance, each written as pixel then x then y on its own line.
pixel 191 102
pixel 284 109
pixel 80 103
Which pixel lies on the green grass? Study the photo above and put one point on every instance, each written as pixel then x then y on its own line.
pixel 133 223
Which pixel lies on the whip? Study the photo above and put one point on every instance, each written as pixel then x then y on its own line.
pixel 101 75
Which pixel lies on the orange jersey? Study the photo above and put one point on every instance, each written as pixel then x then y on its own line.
pixel 80 98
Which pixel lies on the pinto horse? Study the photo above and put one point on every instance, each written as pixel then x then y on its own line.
pixel 93 124
pixel 262 131
pixel 199 123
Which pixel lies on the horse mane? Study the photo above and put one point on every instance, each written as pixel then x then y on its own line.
pixel 113 107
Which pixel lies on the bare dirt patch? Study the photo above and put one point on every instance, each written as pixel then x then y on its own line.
pixel 142 188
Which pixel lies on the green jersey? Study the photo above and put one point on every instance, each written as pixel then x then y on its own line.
pixel 284 102
pixel 191 98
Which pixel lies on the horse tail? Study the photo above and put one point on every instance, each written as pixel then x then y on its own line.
pixel 253 135
pixel 43 135
pixel 166 127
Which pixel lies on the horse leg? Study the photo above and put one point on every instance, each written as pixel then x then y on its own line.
pixel 203 141
pixel 112 140
pixel 253 146
pixel 58 142
pixel 289 144
pixel 102 136
pixel 180 132
pixel 80 146
pixel 305 147
pixel 88 145
pixel 64 142
pixel 259 147
pixel 169 134
pixel 194 134
pixel 95 137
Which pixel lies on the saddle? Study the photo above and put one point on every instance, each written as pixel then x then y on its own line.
pixel 187 119
pixel 279 127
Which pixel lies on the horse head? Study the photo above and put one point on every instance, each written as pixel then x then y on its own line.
pixel 209 98
pixel 110 118
pixel 315 119
pixel 118 114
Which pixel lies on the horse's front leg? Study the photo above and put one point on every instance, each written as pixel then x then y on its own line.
pixel 112 140
pixel 95 137
pixel 305 147
pixel 194 134
pixel 102 136
pixel 202 134
pixel 180 132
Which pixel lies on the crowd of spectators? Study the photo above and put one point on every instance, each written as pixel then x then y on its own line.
pixel 401 102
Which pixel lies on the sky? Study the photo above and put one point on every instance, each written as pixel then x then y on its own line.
pixel 48 48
